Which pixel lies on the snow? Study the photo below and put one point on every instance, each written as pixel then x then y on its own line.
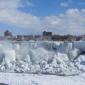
pixel 33 79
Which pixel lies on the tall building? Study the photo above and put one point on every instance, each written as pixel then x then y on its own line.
pixel 47 35
pixel 7 34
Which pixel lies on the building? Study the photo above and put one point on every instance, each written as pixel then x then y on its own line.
pixel 64 38
pixel 24 37
pixel 47 35
pixel 8 34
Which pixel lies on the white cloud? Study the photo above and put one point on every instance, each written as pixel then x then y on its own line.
pixel 27 3
pixel 71 22
pixel 9 14
pixel 9 4
pixel 64 4
pixel 19 19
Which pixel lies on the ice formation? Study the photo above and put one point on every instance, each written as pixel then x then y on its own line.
pixel 80 63
pixel 48 57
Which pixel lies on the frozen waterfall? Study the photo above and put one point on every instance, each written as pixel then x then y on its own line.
pixel 48 57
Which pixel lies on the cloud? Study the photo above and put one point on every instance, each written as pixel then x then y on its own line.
pixel 9 4
pixel 64 4
pixel 19 19
pixel 10 14
pixel 71 22
pixel 27 3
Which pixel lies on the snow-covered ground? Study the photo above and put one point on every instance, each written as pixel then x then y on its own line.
pixel 33 79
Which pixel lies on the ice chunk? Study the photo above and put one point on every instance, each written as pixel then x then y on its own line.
pixel 80 62
pixel 73 54
pixel 39 54
pixel 9 57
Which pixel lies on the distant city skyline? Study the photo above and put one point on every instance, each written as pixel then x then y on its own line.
pixel 35 16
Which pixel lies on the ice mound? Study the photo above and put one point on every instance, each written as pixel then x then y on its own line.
pixel 39 54
pixel 62 66
pixel 8 59
pixel 73 54
pixel 80 62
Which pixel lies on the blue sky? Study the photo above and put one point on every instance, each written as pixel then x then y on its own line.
pixel 35 16
pixel 44 7
pixel 52 7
